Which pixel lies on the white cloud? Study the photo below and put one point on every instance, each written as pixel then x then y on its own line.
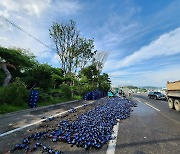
pixel 121 82
pixel 4 13
pixel 4 26
pixel 68 6
pixel 3 38
pixel 129 30
pixel 156 78
pixel 124 73
pixel 167 44
pixel 23 13
pixel 31 7
pixel 13 37
pixel 38 7
pixel 161 77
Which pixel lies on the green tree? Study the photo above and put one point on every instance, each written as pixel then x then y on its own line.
pixel 85 52
pixel 57 77
pixel 104 82
pixel 65 38
pixel 14 59
pixel 15 93
pixel 74 52
pixel 39 76
pixel 92 75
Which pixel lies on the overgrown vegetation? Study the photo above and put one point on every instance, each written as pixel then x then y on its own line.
pixel 79 73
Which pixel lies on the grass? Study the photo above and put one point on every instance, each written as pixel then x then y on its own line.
pixel 53 101
pixel 6 108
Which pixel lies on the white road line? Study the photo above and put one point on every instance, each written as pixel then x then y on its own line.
pixel 151 106
pixel 148 104
pixel 34 123
pixel 112 143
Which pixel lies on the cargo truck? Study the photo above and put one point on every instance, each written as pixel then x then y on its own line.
pixel 173 95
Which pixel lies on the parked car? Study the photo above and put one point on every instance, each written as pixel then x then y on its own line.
pixel 156 95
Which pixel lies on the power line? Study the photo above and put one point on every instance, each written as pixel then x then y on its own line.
pixel 7 20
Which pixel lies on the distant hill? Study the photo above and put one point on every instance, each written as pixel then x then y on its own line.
pixel 131 87
pixel 151 87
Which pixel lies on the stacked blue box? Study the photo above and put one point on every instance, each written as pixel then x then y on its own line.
pixel 95 95
pixel 88 96
pixel 33 98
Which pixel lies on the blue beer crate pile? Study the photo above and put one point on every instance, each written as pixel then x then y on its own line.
pixel 89 130
pixel 93 95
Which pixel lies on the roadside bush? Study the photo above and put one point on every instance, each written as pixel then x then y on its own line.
pixel 66 91
pixel 44 97
pixel 15 93
pixel 83 89
pixel 75 97
pixel 75 90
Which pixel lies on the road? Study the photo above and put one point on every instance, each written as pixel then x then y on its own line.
pixel 152 128
pixel 160 105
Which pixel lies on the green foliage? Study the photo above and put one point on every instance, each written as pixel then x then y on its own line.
pixel 65 37
pixel 75 97
pixel 86 88
pixel 92 75
pixel 84 52
pixel 43 96
pixel 6 108
pixel 143 90
pixel 91 80
pixel 74 52
pixel 15 93
pixel 104 82
pixel 16 60
pixel 66 91
pixel 56 80
pixel 39 76
pixel 57 77
pixel 132 87
pixel 18 57
pixel 55 84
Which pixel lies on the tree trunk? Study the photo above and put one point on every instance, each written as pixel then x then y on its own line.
pixel 8 74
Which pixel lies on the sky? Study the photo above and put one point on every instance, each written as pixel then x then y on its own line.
pixel 141 36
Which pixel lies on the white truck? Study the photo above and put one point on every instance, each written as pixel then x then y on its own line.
pixel 173 95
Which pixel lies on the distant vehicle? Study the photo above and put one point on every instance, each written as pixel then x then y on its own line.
pixel 122 93
pixel 173 94
pixel 156 95
pixel 110 94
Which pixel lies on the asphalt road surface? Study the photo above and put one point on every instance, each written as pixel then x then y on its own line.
pixel 161 105
pixel 152 128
